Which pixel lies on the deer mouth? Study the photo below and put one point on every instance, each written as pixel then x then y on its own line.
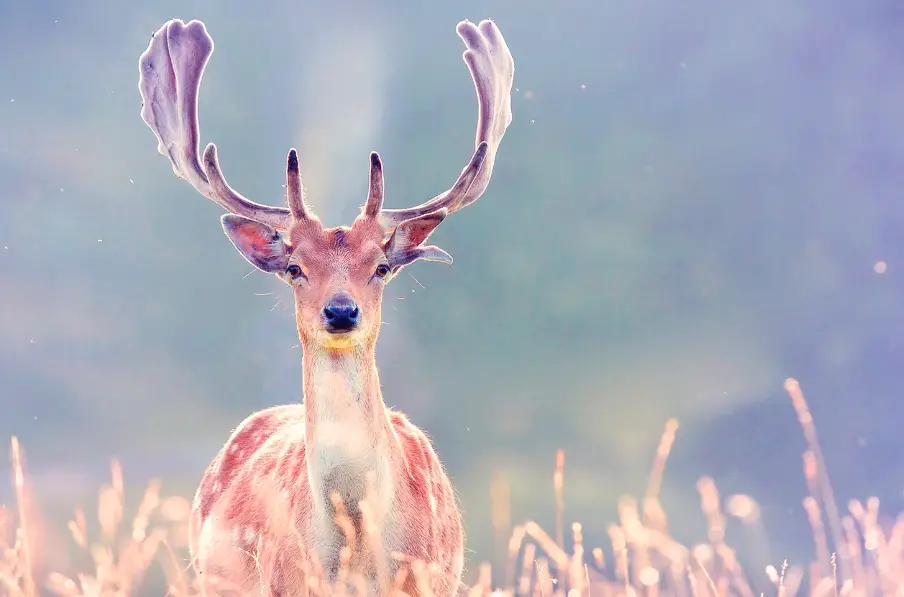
pixel 340 332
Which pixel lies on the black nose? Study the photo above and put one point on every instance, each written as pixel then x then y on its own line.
pixel 341 314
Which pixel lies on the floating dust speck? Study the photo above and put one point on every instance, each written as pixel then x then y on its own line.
pixel 583 86
pixel 880 267
pixel 528 95
pixel 131 181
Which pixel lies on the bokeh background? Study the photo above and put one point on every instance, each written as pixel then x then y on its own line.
pixel 691 205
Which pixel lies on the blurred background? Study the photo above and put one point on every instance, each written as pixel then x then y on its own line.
pixel 692 203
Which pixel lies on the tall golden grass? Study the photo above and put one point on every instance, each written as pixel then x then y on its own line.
pixel 854 555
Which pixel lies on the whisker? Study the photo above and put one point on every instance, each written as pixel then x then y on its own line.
pixel 416 280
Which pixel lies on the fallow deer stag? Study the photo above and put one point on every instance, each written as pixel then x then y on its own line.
pixel 285 496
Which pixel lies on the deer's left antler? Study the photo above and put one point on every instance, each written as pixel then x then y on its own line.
pixel 493 70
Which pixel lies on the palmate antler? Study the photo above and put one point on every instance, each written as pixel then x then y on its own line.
pixel 170 72
pixel 492 70
pixel 170 77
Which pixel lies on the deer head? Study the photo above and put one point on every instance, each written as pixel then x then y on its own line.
pixel 337 274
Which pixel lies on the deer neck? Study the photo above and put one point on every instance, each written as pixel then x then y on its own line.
pixel 347 430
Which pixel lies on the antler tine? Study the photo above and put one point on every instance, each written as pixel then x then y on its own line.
pixel 492 70
pixel 375 192
pixel 170 73
pixel 294 188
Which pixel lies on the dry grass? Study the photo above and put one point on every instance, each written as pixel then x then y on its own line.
pixel 855 555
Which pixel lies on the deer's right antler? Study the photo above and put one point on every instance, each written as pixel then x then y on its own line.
pixel 170 72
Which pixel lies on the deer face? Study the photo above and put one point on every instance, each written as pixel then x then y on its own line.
pixel 337 274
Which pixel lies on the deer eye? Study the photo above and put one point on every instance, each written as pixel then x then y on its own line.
pixel 382 271
pixel 294 271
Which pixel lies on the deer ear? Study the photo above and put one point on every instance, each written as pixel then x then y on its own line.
pixel 260 244
pixel 406 244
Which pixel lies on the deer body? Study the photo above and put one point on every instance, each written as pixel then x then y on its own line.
pixel 270 484
pixel 337 489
